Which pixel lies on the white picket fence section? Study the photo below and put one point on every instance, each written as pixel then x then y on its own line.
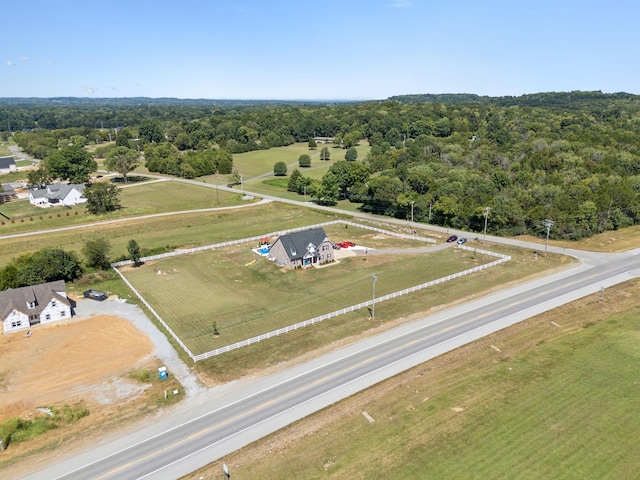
pixel 311 321
pixel 352 308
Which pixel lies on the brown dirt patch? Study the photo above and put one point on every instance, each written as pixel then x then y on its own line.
pixel 83 361
pixel 67 362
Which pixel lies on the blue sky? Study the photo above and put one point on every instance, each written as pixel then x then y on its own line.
pixel 331 49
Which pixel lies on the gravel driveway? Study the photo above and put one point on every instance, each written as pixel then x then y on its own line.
pixel 163 349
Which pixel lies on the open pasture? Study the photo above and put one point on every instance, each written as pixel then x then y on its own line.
pixel 247 299
pixel 260 162
pixel 554 402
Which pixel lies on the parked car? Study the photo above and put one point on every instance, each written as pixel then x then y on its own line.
pixel 462 241
pixel 452 238
pixel 95 295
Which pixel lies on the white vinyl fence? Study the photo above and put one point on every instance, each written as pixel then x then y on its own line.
pixel 311 321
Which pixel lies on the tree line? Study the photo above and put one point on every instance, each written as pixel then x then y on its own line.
pixel 572 157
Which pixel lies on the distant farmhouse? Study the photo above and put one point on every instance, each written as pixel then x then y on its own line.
pixel 323 139
pixel 24 307
pixel 302 249
pixel 7 165
pixel 57 194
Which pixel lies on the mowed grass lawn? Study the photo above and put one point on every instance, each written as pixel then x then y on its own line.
pixel 557 402
pixel 245 300
pixel 136 199
pixel 260 162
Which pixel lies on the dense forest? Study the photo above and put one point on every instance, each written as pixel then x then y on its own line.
pixel 572 158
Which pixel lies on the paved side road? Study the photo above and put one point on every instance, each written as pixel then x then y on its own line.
pixel 163 349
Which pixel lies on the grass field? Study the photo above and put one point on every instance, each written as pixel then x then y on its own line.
pixel 173 231
pixel 138 199
pixel 259 162
pixel 554 403
pixel 266 297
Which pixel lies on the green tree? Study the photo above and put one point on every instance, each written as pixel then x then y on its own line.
pixel 328 191
pixel 123 138
pixel 102 197
pixel 304 160
pixel 348 174
pixel 280 169
pixel 325 154
pixel 351 154
pixel 234 178
pixel 47 265
pixel 122 160
pixel 134 252
pixel 151 131
pixel 71 163
pixel 38 178
pixel 96 253
pixel 8 277
pixel 224 161
pixel 292 186
pixel 312 144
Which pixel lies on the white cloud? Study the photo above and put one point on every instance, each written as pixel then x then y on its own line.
pixel 10 63
pixel 24 59
pixel 89 89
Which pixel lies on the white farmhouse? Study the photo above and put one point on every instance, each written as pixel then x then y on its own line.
pixel 24 307
pixel 57 194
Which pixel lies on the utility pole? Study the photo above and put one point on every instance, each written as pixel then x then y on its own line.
pixel 486 216
pixel 430 205
pixel 547 224
pixel 412 212
pixel 373 303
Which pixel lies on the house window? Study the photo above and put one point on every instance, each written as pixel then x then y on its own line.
pixel 328 256
pixel 63 313
pixel 53 303
pixel 325 247
pixel 47 316
pixel 31 305
pixel 16 324
pixel 321 257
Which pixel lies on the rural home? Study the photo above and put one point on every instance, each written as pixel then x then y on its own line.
pixel 302 249
pixel 24 307
pixel 323 139
pixel 7 192
pixel 57 194
pixel 7 165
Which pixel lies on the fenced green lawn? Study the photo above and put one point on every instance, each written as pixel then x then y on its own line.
pixel 246 299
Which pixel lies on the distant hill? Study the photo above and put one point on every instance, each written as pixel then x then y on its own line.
pixel 545 99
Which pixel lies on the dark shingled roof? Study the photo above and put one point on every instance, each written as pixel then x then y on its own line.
pixel 6 162
pixel 295 244
pixel 41 294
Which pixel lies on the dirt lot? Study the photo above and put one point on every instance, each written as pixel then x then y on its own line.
pixel 70 361
pixel 84 360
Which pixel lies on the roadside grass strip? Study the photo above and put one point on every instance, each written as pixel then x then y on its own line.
pixel 241 300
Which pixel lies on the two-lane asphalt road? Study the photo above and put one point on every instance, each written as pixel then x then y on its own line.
pixel 171 449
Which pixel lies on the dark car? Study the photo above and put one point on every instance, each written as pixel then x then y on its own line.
pixel 452 238
pixel 462 241
pixel 95 295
